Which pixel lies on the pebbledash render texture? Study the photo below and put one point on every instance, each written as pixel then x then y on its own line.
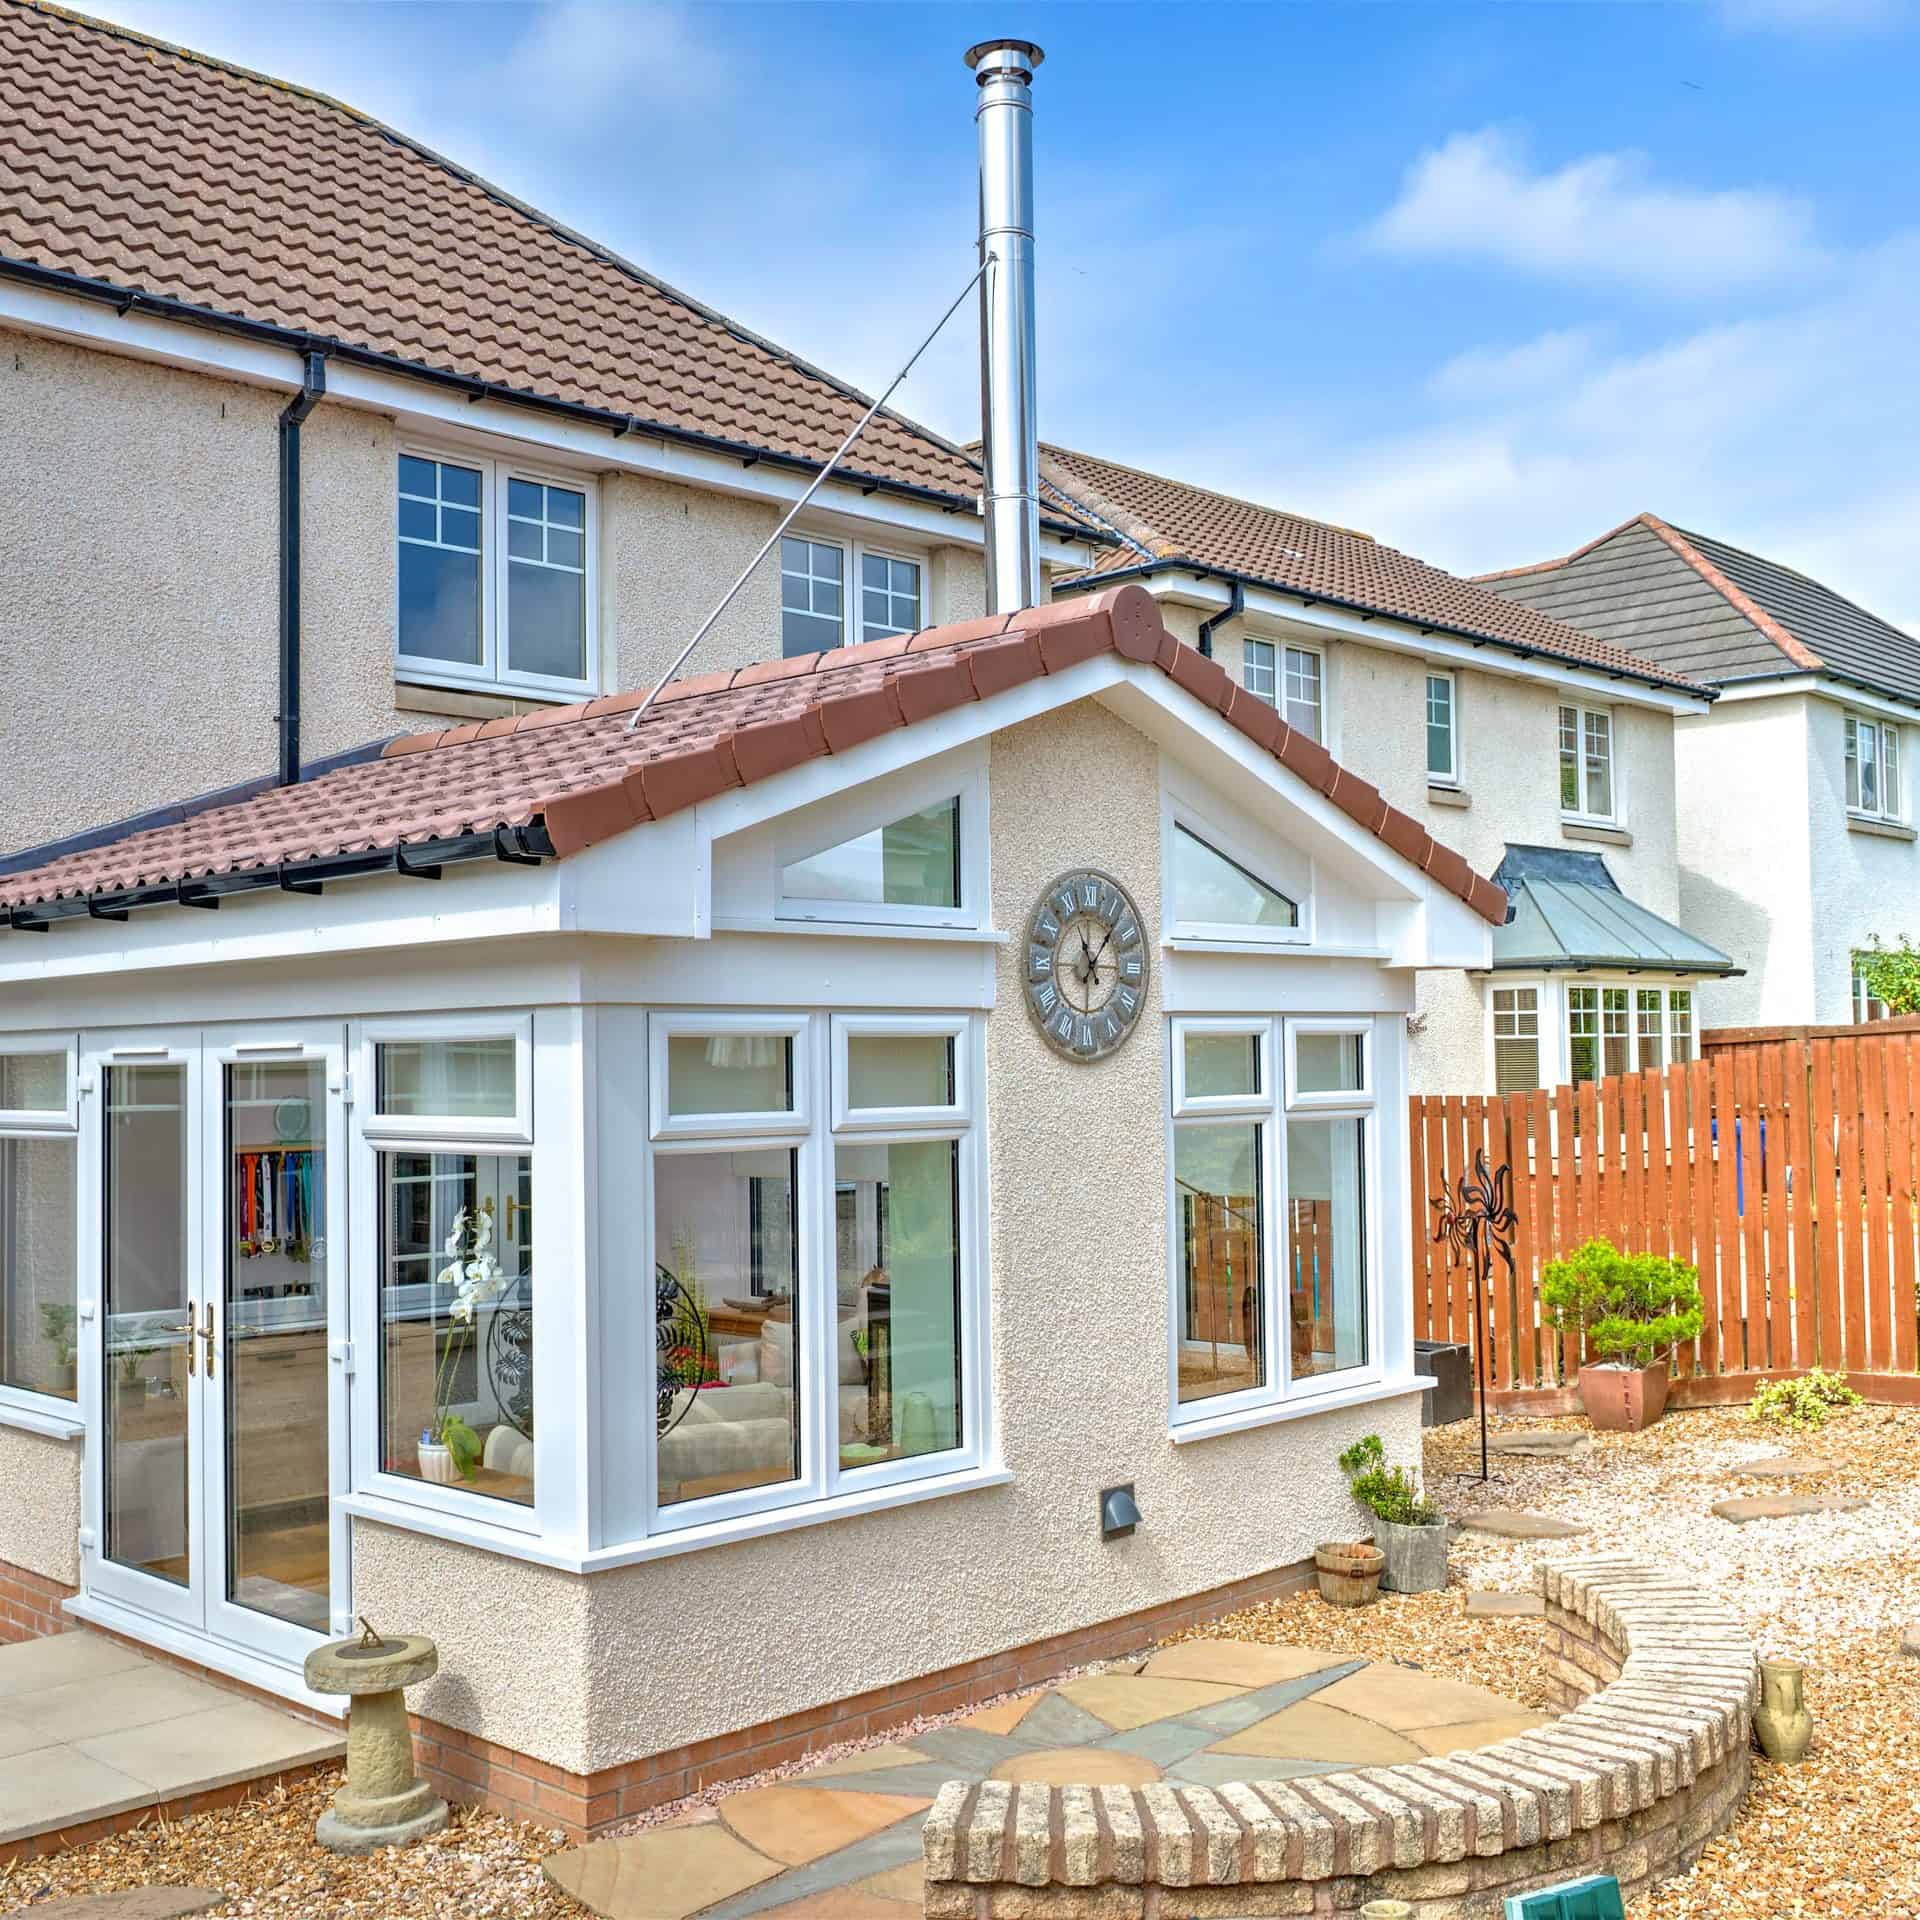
pixel 1648 1759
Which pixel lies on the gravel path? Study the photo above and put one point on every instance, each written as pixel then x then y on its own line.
pixel 1836 1837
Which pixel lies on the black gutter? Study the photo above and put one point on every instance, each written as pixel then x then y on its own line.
pixel 313 384
pixel 1236 605
pixel 423 859
pixel 1200 570
pixel 130 300
pixel 1819 673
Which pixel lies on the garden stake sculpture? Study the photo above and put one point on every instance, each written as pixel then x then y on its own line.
pixel 1477 1220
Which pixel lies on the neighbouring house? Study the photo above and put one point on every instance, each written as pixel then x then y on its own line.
pixel 523 469
pixel 1796 832
pixel 697 1218
pixel 1542 749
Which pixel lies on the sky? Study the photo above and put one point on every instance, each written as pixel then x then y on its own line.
pixel 1481 280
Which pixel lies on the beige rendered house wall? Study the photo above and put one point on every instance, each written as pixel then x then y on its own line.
pixel 139 557
pixel 40 1504
pixel 590 1672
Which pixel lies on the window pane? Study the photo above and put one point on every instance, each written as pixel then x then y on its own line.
pixel 1570 759
pixel 1328 1062
pixel 1616 1039
pixel 1256 667
pixel 546 621
pixel 33 1082
pixel 1890 770
pixel 1682 1005
pixel 729 1073
pixel 897 1258
pixel 1516 1039
pixel 526 499
pixel 453 1079
pixel 419 477
pixel 419 519
pixel 913 862
pixel 1853 729
pixel 1217 1203
pixel 1583 1033
pixel 1222 1063
pixel 1211 890
pixel 1326 1246
pixel 727 1371
pixel 1599 765
pixel 524 541
pixel 460 486
pixel 1649 1014
pixel 899 1070
pixel 566 508
pixel 1303 691
pixel 1439 725
pixel 38 1219
pixel 439 604
pixel 146 1336
pixel 456 1321
pixel 460 530
pixel 808 632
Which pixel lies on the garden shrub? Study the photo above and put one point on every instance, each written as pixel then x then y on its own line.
pixel 1634 1307
pixel 1388 1493
pixel 1802 1403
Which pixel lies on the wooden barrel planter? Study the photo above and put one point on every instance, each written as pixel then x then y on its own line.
pixel 1349 1572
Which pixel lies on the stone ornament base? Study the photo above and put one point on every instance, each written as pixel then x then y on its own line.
pixel 336 1836
pixel 1649 1760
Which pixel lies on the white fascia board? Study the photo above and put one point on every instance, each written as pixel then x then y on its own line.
pixel 476 900
pixel 1269 611
pixel 440 413
pixel 1821 687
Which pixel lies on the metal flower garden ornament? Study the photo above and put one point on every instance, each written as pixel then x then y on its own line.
pixel 475 1279
pixel 1477 1221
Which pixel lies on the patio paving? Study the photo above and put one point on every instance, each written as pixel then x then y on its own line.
pixel 842 1841
pixel 90 1729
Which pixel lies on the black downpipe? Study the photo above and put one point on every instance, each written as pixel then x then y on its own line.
pixel 313 384
pixel 1235 607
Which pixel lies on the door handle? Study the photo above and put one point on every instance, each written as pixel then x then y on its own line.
pixel 188 1330
pixel 206 1334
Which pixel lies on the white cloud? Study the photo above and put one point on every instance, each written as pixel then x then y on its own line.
pixel 581 60
pixel 1595 220
pixel 1484 374
pixel 1812 16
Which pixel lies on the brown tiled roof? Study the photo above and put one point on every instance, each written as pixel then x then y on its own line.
pixel 581 776
pixel 131 162
pixel 1169 522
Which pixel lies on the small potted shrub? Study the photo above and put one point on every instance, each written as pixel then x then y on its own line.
pixel 1635 1309
pixel 1409 1530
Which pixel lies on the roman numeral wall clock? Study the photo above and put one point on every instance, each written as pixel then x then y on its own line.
pixel 1086 964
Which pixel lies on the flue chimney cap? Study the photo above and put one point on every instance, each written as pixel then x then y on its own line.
pixel 1010 50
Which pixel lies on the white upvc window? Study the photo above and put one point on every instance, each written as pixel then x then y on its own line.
pixel 495 575
pixel 833 594
pixel 1292 678
pixel 1865 1005
pixel 39 1225
pixel 816 1241
pixel 1516 1039
pixel 1588 786
pixel 1224 886
pixel 1273 1289
pixel 1627 1029
pixel 1257 669
pixel 1443 730
pixel 1873 768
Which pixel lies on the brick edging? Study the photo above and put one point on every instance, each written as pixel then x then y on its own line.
pixel 31 1605
pixel 1647 1761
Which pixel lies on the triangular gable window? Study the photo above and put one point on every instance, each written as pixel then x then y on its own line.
pixel 910 862
pixel 1212 891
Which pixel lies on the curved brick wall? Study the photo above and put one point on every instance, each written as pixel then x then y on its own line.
pixel 1648 1759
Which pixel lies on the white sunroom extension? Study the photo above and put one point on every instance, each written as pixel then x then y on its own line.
pixel 919 1088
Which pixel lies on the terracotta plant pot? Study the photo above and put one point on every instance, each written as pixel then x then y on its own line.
pixel 1349 1572
pixel 1624 1399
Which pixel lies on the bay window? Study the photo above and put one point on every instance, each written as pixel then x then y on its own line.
pixel 1626 1029
pixel 1272 1145
pixel 39 1221
pixel 815 1200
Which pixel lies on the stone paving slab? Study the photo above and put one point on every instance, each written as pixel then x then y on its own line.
pixel 1512 1524
pixel 1494 1606
pixel 133 1903
pixel 1787 1466
pixel 1550 1443
pixel 1786 1506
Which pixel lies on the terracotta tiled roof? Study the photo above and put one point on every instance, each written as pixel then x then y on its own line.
pixel 581 776
pixel 1169 522
pixel 127 161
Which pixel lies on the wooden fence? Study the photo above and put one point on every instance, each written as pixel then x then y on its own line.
pixel 1786 1171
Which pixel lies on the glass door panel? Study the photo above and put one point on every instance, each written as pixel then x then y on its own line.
pixel 274 1379
pixel 149 1334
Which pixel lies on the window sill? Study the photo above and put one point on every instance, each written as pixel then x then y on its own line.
pixel 463 701
pixel 1880 829
pixel 1445 796
pixel 751 1526
pixel 47 1420
pixel 1595 830
pixel 1274 1415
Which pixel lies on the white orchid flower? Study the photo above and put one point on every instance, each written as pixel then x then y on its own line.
pixel 449 1276
pixel 462 1309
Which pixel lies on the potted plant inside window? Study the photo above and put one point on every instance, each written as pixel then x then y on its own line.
pixel 1409 1530
pixel 1635 1308
pixel 449 1448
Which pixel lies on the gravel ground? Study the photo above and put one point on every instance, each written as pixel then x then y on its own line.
pixel 1837 1836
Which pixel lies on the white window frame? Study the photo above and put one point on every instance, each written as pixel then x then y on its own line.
pixel 1178 815
pixel 1584 814
pixel 1335 1099
pixel 1633 990
pixel 1260 668
pixel 1887 744
pixel 1270 1110
pixel 834 826
pixel 1450 777
pixel 852 592
pixel 1540 1010
pixel 1863 1001
pixel 50 1412
pixel 850 1119
pixel 819 1057
pixel 796 1028
pixel 491 672
pixel 1283 660
pixel 515 1129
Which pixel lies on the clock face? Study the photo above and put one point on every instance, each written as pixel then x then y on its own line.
pixel 1086 964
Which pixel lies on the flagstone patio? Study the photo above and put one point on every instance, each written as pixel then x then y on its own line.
pixel 842 1841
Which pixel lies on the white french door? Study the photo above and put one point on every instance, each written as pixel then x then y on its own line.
pixel 215 1384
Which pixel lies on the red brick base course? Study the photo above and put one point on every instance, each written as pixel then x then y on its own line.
pixel 464 1767
pixel 30 1605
